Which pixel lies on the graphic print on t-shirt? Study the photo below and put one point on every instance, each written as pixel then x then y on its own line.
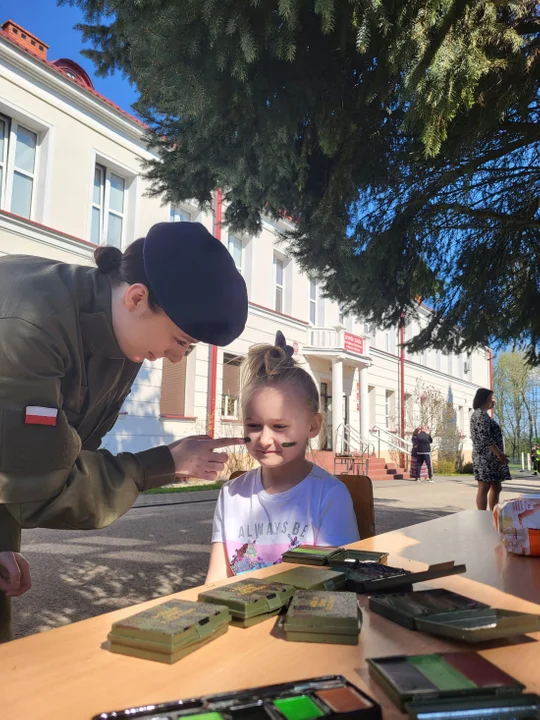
pixel 252 555
pixel 256 527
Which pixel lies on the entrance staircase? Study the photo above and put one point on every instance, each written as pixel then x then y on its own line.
pixel 354 454
pixel 379 469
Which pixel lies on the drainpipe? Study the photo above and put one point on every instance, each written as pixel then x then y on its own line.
pixel 402 379
pixel 218 211
pixel 490 360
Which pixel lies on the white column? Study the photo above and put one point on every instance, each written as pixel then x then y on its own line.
pixel 364 403
pixel 337 398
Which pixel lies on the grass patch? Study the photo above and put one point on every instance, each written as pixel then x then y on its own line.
pixel 454 474
pixel 187 488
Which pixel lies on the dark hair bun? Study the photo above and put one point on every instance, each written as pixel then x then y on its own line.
pixel 108 260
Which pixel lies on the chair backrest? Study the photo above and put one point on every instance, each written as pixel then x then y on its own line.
pixel 360 488
pixel 237 473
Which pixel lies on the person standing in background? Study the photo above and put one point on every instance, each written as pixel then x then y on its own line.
pixel 535 458
pixel 422 450
pixel 490 464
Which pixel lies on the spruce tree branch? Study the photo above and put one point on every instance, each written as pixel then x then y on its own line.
pixel 510 220
pixel 451 17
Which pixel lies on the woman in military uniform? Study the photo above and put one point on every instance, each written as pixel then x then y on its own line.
pixel 72 340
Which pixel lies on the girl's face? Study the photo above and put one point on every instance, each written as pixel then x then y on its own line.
pixel 277 424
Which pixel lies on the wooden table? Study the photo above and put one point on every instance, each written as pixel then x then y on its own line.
pixel 68 674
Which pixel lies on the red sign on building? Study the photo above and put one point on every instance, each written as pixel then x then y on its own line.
pixel 353 343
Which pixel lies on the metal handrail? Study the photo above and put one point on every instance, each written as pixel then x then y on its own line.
pixel 351 441
pixel 395 441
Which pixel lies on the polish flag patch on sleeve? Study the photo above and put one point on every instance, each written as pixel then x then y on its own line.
pixel 36 415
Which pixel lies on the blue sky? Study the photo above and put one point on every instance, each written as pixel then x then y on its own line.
pixel 54 25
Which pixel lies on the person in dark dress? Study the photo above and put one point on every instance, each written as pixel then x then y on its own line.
pixel 490 464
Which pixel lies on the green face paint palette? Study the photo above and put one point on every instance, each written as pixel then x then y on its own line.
pixel 250 601
pixel 437 686
pixel 310 555
pixel 441 612
pixel 375 577
pixel 310 578
pixel 323 617
pixel 331 697
pixel 341 558
pixel 170 631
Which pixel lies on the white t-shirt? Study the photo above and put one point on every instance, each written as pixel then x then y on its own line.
pixel 257 528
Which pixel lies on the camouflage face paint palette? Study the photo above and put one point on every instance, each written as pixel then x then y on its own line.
pixel 250 601
pixel 169 631
pixel 329 698
pixel 444 613
pixel 310 555
pixel 438 685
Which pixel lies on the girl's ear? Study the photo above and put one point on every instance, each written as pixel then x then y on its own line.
pixel 315 426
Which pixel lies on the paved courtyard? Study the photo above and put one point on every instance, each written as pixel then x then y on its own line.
pixel 162 546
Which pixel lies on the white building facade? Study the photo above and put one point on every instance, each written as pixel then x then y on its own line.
pixel 71 179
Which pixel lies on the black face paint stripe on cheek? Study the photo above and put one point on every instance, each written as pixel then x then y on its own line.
pixel 247 439
pixel 288 445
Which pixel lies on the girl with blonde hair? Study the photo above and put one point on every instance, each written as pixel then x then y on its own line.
pixel 287 500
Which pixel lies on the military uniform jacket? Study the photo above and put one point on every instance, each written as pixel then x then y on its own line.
pixel 58 352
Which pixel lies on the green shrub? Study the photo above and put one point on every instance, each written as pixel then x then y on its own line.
pixel 445 467
pixel 466 469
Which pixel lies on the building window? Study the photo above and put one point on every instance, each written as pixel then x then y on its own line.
pixel 372 398
pixel 236 248
pixel 278 279
pixel 341 314
pixel 313 301
pixel 18 155
pixel 231 386
pixel 108 207
pixel 173 388
pixel 390 409
pixel 409 410
pixel 179 215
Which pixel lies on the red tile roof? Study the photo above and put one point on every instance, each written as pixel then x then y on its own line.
pixel 59 66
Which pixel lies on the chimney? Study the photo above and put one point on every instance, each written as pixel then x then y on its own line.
pixel 25 39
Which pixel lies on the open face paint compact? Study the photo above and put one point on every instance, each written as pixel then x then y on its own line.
pixel 326 697
pixel 444 613
pixel 333 556
pixel 350 559
pixel 375 577
pixel 452 685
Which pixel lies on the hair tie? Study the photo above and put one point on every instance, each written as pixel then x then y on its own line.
pixel 280 342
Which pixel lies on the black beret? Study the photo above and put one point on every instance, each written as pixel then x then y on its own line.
pixel 195 281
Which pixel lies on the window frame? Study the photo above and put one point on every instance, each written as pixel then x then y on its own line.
pixel 277 286
pixel 9 168
pixel 105 207
pixel 390 408
pixel 176 211
pixel 312 298
pixel 228 401
pixel 231 241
